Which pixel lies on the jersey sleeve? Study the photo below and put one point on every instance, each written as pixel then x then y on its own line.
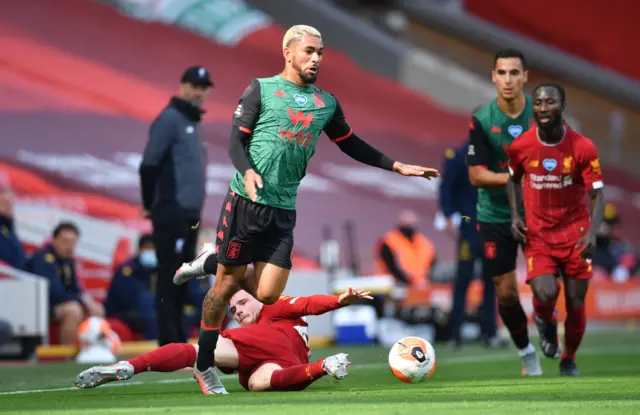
pixel 589 166
pixel 296 307
pixel 248 110
pixel 479 152
pixel 516 169
pixel 337 129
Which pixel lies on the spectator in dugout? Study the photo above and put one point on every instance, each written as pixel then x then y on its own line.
pixel 616 255
pixel 69 306
pixel 131 296
pixel 11 250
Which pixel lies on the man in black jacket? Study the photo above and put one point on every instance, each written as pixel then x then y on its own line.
pixel 173 183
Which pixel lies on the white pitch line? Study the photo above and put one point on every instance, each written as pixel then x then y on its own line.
pixel 589 351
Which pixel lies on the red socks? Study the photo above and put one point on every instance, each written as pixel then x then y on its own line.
pixel 574 328
pixel 168 358
pixel 544 310
pixel 298 377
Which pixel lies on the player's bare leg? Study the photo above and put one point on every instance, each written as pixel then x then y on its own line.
pixel 270 282
pixel 545 294
pixel 213 311
pixel 575 325
pixel 271 376
pixel 515 319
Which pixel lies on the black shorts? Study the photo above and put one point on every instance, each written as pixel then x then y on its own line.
pixel 249 232
pixel 500 248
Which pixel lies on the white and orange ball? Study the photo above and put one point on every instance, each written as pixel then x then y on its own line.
pixel 412 359
pixel 97 331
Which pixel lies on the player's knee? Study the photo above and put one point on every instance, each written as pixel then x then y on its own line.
pixel 259 384
pixel 546 294
pixel 574 300
pixel 545 288
pixel 223 291
pixel 70 312
pixel 267 297
pixel 506 290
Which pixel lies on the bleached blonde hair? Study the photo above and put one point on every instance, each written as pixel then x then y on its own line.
pixel 297 32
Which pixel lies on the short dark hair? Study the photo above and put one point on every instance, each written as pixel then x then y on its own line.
pixel 558 87
pixel 144 239
pixel 510 53
pixel 65 226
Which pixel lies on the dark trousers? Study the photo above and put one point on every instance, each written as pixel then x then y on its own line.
pixel 175 240
pixel 469 252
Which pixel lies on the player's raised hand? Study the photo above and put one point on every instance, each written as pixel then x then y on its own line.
pixel 411 170
pixel 519 230
pixel 351 296
pixel 587 246
pixel 252 182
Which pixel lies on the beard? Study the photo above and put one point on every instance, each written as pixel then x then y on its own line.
pixel 307 79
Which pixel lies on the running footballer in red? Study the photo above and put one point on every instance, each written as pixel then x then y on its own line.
pixel 552 168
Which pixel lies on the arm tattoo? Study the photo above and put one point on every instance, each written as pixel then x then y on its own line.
pixel 215 304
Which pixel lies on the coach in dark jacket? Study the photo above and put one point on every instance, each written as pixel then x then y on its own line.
pixel 172 176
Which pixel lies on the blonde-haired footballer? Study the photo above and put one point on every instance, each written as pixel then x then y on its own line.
pixel 275 130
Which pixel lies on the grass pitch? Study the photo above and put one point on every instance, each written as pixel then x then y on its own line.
pixel 472 380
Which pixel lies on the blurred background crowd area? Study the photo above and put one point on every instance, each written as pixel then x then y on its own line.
pixel 80 81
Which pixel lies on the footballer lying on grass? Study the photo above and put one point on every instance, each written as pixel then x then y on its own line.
pixel 270 349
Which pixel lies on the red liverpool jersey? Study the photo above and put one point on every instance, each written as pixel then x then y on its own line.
pixel 556 179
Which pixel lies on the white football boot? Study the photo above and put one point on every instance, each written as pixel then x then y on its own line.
pixel 195 268
pixel 209 381
pixel 336 366
pixel 99 375
pixel 530 362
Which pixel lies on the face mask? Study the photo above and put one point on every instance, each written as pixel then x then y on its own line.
pixel 148 259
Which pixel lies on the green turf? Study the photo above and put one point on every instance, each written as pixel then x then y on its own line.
pixel 474 380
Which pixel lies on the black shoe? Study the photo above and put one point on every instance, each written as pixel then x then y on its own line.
pixel 568 368
pixel 548 333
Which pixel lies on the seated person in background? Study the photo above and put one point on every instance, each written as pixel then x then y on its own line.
pixel 615 254
pixel 131 297
pixel 11 250
pixel 69 305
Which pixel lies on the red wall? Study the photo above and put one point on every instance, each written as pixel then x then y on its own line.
pixel 603 32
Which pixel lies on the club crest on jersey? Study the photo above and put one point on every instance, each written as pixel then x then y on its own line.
pixel 549 164
pixel 300 99
pixel 515 130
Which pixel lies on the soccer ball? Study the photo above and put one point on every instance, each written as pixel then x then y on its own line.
pixel 412 359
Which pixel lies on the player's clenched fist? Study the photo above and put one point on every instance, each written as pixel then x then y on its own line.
pixel 252 182
pixel 351 296
pixel 410 170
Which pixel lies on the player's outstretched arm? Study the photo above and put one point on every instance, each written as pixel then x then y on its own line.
pixel 339 131
pixel 479 157
pixel 314 305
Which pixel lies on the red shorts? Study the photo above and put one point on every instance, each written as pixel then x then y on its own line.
pixel 258 344
pixel 544 259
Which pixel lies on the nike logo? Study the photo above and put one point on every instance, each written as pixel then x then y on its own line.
pixel 195 226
